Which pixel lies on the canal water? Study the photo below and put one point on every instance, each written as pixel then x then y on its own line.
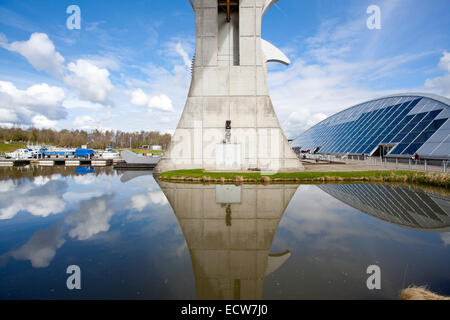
pixel 135 238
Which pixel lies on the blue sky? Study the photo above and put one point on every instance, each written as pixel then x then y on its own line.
pixel 127 67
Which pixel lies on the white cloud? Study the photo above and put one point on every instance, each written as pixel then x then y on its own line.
pixel 7 185
pixel 139 98
pixel 31 105
pixel 441 85
pixel 92 218
pixel 43 180
pixel 183 54
pixel 41 122
pixel 77 104
pixel 160 102
pixel 141 201
pixel 41 248
pixel 41 206
pixel 444 63
pixel 38 200
pixel 445 237
pixel 85 123
pixel 91 82
pixel 40 53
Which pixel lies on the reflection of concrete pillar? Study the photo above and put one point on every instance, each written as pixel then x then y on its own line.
pixel 229 84
pixel 230 258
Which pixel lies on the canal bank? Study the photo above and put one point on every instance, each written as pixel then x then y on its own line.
pixel 422 178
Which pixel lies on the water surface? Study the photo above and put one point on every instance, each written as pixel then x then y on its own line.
pixel 135 238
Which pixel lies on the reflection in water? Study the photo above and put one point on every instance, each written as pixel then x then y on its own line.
pixel 229 231
pixel 129 175
pixel 404 206
pixel 137 239
pixel 82 170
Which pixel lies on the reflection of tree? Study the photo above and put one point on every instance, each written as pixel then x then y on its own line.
pixel 31 172
pixel 229 242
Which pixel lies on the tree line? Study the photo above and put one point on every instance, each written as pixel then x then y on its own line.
pixel 93 139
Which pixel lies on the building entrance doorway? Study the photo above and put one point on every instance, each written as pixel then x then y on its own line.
pixel 383 149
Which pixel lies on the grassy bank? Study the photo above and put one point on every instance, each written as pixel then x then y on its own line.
pixel 432 179
pixel 10 147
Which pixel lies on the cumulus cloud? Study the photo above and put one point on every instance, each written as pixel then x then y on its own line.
pixel 92 218
pixel 38 200
pixel 40 53
pixel 89 77
pixel 41 248
pixel 41 122
pixel 37 104
pixel 42 180
pixel 441 85
pixel 85 123
pixel 444 63
pixel 299 120
pixel 160 102
pixel 91 82
pixel 445 237
pixel 74 103
pixel 141 201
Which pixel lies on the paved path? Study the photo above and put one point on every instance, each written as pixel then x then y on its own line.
pixel 363 166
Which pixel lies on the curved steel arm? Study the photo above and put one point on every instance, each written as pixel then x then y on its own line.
pixel 273 54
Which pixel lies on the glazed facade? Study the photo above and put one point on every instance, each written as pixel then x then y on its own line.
pixel 397 126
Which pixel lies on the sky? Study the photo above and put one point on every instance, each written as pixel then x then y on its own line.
pixel 128 66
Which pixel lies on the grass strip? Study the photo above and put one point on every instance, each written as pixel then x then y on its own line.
pixel 402 176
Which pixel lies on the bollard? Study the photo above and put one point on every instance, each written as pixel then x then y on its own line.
pixel 425 165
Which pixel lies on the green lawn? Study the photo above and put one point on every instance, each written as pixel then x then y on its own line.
pixel 4 147
pixel 433 179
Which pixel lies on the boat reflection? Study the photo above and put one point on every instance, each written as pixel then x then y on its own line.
pixel 229 231
pixel 401 205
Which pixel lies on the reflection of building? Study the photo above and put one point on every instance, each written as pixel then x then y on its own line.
pixel 397 126
pixel 402 205
pixel 229 231
pixel 229 122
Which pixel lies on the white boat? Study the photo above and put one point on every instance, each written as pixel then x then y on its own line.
pixel 110 154
pixel 19 154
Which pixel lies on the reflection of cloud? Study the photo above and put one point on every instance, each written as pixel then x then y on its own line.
pixel 7 185
pixel 41 248
pixel 37 200
pixel 445 237
pixel 141 201
pixel 42 180
pixel 322 215
pixel 77 196
pixel 84 179
pixel 92 218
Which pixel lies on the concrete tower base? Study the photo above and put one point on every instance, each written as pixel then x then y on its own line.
pixel 229 123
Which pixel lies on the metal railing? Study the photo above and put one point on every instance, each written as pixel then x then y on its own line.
pixel 424 165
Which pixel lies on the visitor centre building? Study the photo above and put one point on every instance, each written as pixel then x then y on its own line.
pixel 397 126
